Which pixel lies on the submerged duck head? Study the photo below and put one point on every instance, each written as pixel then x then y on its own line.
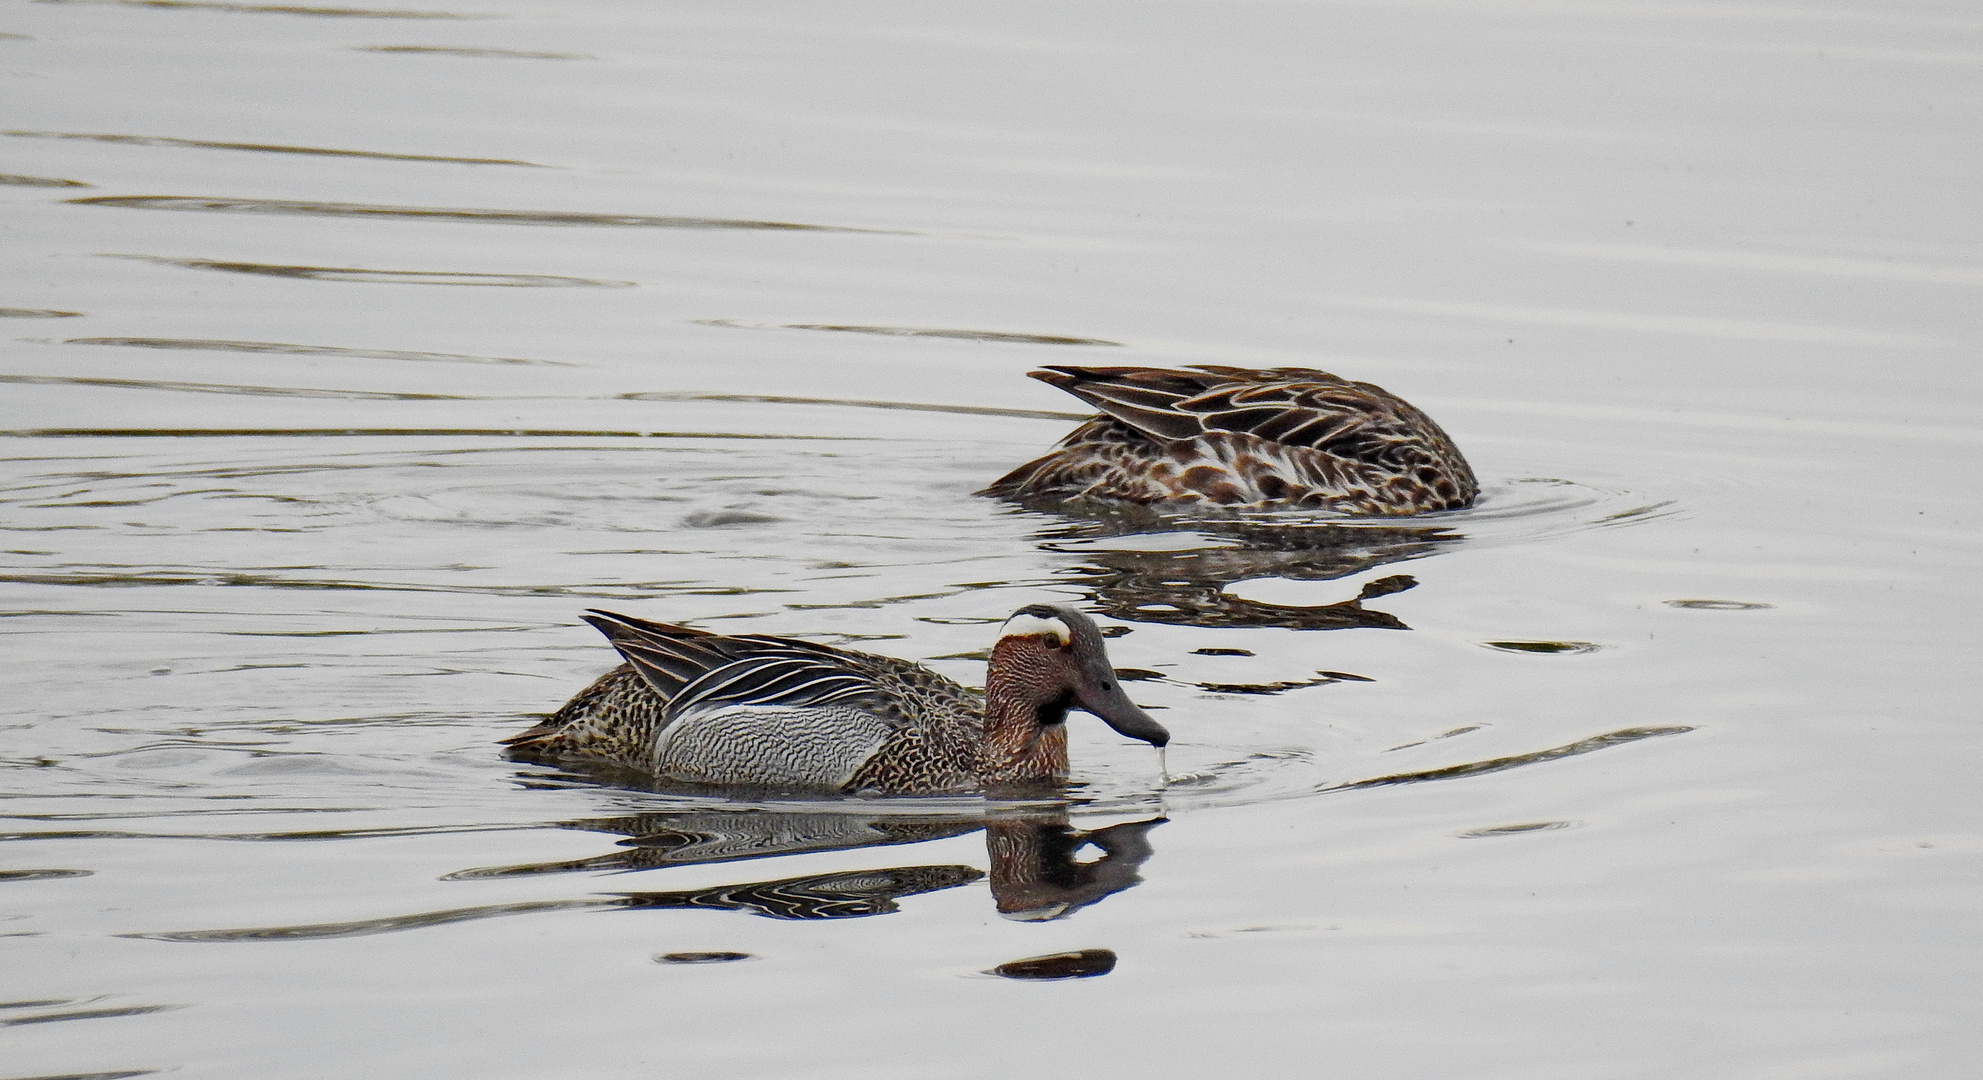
pixel 1050 658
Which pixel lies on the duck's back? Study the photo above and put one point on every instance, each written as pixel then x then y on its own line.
pixel 766 712
pixel 1243 437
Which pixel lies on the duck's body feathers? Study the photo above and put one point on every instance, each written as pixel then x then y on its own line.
pixel 1244 437
pixel 767 711
pixel 755 709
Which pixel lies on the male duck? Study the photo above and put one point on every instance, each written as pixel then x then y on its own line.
pixel 767 711
pixel 1245 437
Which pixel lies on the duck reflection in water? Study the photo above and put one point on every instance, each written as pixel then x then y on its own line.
pixel 1037 872
pixel 1151 568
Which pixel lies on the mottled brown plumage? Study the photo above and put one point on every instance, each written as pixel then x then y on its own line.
pixel 768 711
pixel 1245 437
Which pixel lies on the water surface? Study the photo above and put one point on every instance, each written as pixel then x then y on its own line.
pixel 352 352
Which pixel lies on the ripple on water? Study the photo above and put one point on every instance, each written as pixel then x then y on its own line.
pixel 1508 511
pixel 925 332
pixel 1119 778
pixel 266 148
pixel 1514 830
pixel 236 389
pixel 301 208
pixel 101 1013
pixel 14 180
pixel 478 53
pixel 1181 566
pixel 388 277
pixel 281 9
pixel 414 519
pixel 1527 509
pixel 1206 779
pixel 42 874
pixel 285 349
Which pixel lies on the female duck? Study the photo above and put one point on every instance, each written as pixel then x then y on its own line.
pixel 757 710
pixel 1245 437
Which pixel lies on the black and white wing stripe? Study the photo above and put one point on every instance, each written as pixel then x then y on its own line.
pixel 669 657
pixel 776 679
pixel 690 667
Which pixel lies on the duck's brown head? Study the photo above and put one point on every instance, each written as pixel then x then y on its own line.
pixel 1050 658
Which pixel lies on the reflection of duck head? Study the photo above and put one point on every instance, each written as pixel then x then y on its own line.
pixel 1035 875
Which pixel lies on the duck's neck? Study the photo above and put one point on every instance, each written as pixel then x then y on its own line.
pixel 1025 712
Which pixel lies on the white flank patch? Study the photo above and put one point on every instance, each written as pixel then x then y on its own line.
pixel 1024 625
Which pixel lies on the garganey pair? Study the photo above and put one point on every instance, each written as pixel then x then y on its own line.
pixel 763 711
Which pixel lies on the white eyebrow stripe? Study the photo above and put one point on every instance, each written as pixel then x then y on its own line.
pixel 1024 625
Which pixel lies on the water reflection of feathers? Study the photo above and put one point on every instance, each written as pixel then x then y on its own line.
pixel 849 895
pixel 701 837
pixel 1037 862
pixel 1036 871
pixel 1187 585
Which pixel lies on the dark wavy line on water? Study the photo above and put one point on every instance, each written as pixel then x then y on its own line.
pixel 478 433
pixel 850 894
pixel 285 349
pixel 282 9
pixel 857 403
pixel 382 395
pixel 1514 830
pixel 1620 737
pixel 366 927
pixel 225 388
pixel 208 811
pixel 387 277
pixel 462 50
pixel 120 1074
pixel 962 335
pixel 14 180
pixel 385 832
pixel 35 313
pixel 86 1014
pixel 433 213
pixel 266 148
pixel 631 590
pixel 917 331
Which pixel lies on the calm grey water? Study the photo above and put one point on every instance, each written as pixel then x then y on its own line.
pixel 352 352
